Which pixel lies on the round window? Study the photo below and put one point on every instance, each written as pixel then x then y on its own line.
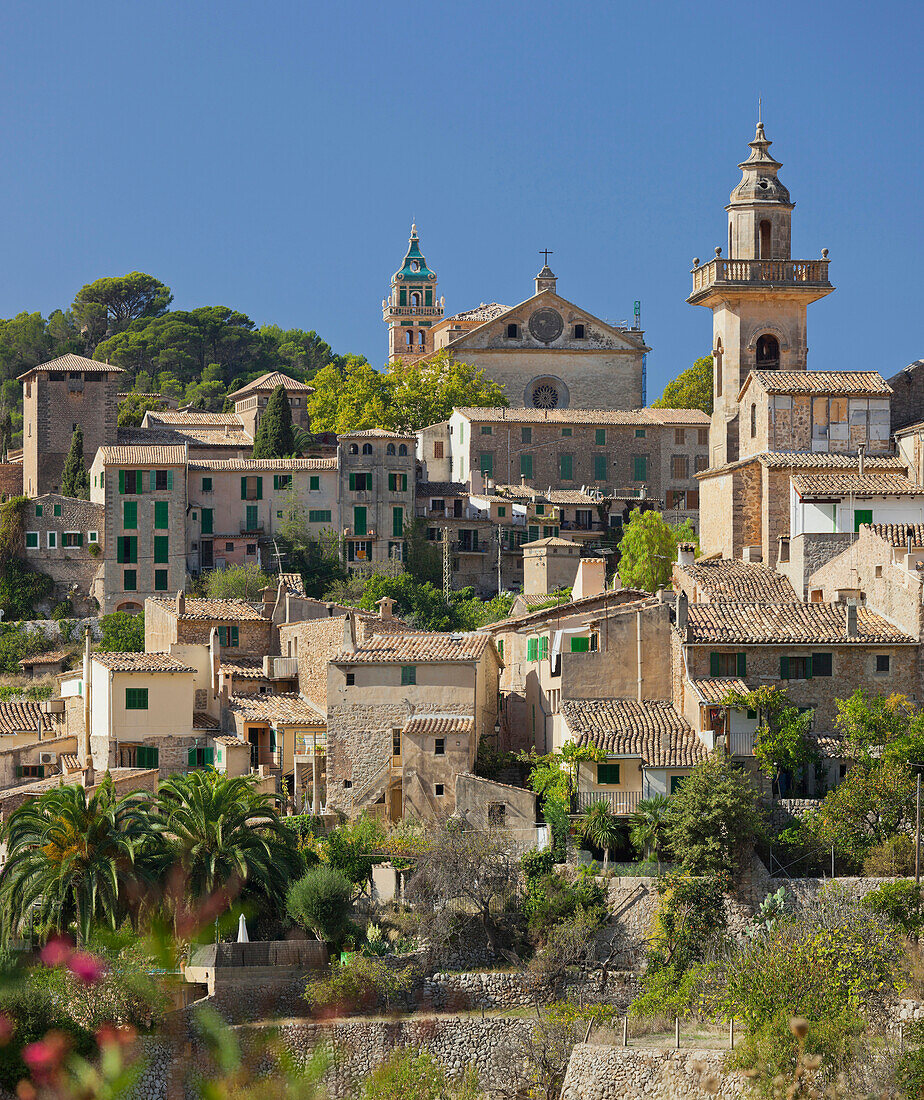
pixel 545 395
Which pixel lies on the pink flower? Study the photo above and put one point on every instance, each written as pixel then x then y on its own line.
pixel 85 967
pixel 57 951
pixel 44 1057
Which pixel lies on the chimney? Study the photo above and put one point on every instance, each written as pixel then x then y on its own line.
pixel 590 579
pixel 861 452
pixel 685 554
pixel 181 602
pixel 349 633
pixel 851 620
pixel 683 607
pixel 38 726
pixel 385 606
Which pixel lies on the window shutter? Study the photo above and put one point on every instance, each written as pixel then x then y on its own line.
pixel 80 538
pixel 243 488
pixel 259 488
pixel 543 648
pixel 121 481
pixel 532 649
pixel 209 754
pixel 352 482
pixel 234 636
pixel 713 664
pixel 742 665
pixel 170 479
pixel 191 758
pixel 784 668
pixel 808 667
pixel 152 479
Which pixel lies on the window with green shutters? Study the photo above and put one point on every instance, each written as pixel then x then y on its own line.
pixel 543 648
pixel 526 435
pixel 608 774
pixel 206 485
pixel 397 483
pixel 526 466
pixel 319 515
pixel 566 467
pixel 131 481
pixel 200 756
pixel 359 520
pixel 360 483
pixel 314 483
pixel 487 463
pixel 599 467
pixel 161 481
pixel 160 580
pixel 130 580
pixel 57 509
pixel 501 511
pixel 252 519
pixel 397 522
pixel 580 645
pixel 640 467
pixel 533 533
pixel 600 437
pixel 532 649
pixel 161 514
pixel 207 521
pixel 282 481
pixel 32 540
pixel 408 675
pixel 228 635
pixel 251 488
pixel 147 756
pixel 161 549
pixel 862 515
pixel 136 698
pixel 728 664
pixel 129 515
pixel 127 549
pixel 38 511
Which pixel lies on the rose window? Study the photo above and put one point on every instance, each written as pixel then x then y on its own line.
pixel 545 396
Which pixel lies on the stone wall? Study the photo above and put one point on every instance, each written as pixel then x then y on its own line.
pixel 509 989
pixel 615 1073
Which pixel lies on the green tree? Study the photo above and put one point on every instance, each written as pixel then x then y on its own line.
pixel 237 582
pixel 320 901
pixel 349 395
pixel 75 481
pixel 648 825
pixel 352 850
pixel 110 304
pixel 224 837
pixel 73 855
pixel 426 391
pixel 121 633
pixel 691 389
pixel 423 559
pixel 648 550
pixel 133 408
pixel 274 437
pixel 783 742
pixel 600 827
pixel 714 819
pixel 300 353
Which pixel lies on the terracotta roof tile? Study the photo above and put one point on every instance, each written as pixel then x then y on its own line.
pixel 630 417
pixel 487 311
pixel 798 461
pixel 293 582
pixel 715 690
pixel 880 483
pixel 420 647
pixel 845 382
pixel 140 662
pixel 243 669
pixel 220 610
pixel 441 489
pixel 897 534
pixel 270 381
pixel 285 707
pixel 279 465
pixel 550 541
pixel 439 725
pixel 231 742
pixel 166 436
pixel 730 581
pixel 377 433
pixel 152 454
pixel 200 419
pixel 794 623
pixel 53 658
pixel 75 363
pixel 203 721
pixel 24 717
pixel 651 730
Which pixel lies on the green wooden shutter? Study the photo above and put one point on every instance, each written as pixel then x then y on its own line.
pixel 352 483
pixel 862 515
pixel 742 665
pixel 784 668
pixel 191 758
pixel 397 522
pixel 80 538
pixel 207 514
pixel 152 479
pixel 161 514
pixel 599 467
pixel 580 645
pixel 208 755
pixel 543 648
pixel 121 481
pixel 533 534
pixel 243 488
pixel 170 480
pixel 259 488
pixel 234 636
pixel 714 664
pixel 532 649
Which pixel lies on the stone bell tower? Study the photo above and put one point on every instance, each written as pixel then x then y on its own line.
pixel 758 295
pixel 411 308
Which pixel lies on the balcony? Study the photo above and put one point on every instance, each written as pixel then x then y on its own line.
pixel 352 533
pixel 759 273
pixel 619 802
pixel 741 744
pixel 413 311
pixel 246 529
pixel 594 525
pixel 306 745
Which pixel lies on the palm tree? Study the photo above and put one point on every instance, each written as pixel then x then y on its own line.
pixel 223 836
pixel 77 858
pixel 600 827
pixel 648 825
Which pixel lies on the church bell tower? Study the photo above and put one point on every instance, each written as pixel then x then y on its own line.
pixel 411 308
pixel 758 295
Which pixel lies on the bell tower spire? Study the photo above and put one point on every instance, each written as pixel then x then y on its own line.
pixel 411 308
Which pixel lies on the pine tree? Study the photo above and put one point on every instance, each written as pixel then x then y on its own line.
pixel 76 480
pixel 275 438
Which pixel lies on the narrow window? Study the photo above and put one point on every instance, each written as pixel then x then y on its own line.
pixel 513 331
pixel 765 240
pixel 350 679
pixel 439 746
pixel 579 332
pixel 753 421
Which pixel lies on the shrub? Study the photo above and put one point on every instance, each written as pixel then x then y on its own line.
pixel 122 633
pixel 551 899
pixel 537 863
pixel 36 1011
pixel 361 984
pixel 900 904
pixel 670 992
pixel 410 1075
pixel 892 857
pixel 62 610
pixel 241 582
pixel 21 588
pixel 320 902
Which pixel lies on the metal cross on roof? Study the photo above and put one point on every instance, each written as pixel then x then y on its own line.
pixel 546 252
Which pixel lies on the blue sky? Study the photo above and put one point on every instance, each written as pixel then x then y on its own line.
pixel 270 156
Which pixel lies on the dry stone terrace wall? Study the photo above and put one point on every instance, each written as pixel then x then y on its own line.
pixel 613 1073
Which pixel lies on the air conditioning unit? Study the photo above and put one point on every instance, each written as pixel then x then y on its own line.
pixel 47 758
pixel 53 706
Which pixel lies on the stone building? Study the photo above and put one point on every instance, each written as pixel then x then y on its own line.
pixel 376 470
pixel 908 396
pixel 250 401
pixel 759 295
pixel 243 630
pixel 549 564
pixel 412 309
pixel 143 492
pixel 64 538
pixel 724 580
pixel 57 396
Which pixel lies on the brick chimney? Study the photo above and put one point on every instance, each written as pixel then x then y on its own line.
pixel 386 607
pixel 683 608
pixel 851 620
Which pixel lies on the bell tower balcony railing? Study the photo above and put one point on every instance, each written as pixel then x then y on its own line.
pixel 764 273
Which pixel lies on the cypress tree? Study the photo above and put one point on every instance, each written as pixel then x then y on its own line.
pixel 275 438
pixel 76 480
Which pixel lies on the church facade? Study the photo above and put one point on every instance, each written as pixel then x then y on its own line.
pixel 547 352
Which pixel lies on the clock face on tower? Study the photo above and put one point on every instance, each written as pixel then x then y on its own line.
pixel 546 324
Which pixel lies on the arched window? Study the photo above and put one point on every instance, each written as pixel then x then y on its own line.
pixel 765 240
pixel 768 352
pixel 354 449
pixel 130 608
pixel 390 449
pixel 408 338
pixel 753 421
pixel 415 299
pixel 367 448
pixel 421 339
pixel 402 450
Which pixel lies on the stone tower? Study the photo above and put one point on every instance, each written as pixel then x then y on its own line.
pixel 758 295
pixel 411 309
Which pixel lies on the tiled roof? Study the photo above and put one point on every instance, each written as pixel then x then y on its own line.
pixel 53 658
pixel 728 580
pixel 164 435
pixel 897 534
pixel 651 730
pixel 487 311
pixel 715 690
pixel 69 763
pixel 24 717
pixel 230 741
pixel 222 610
pixel 243 668
pixel 439 725
pixel 830 745
pixel 76 363
pixel 807 460
pixel 411 648
pixel 795 623
pixel 203 721
pixel 140 662
pixel 278 465
pixel 550 541
pixel 201 419
pixel 845 382
pixel 608 603
pixel 441 489
pixel 293 582
pixel 285 707
pixel 270 381
pixel 377 433
pixel 630 417
pixel 143 455
pixel 881 483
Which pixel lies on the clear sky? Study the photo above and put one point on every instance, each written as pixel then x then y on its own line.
pixel 270 156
